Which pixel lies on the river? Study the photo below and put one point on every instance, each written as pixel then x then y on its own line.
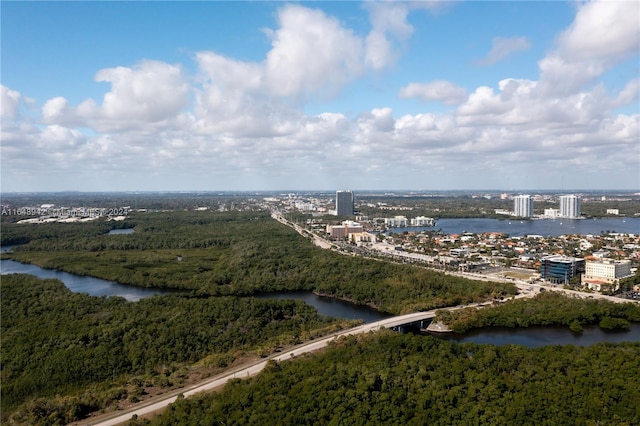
pixel 81 284
pixel 521 228
pixel 534 337
pixel 530 337
pixel 330 307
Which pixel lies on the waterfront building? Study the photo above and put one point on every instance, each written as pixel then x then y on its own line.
pixel 601 274
pixel 570 206
pixel 523 206
pixel 344 203
pixel 561 269
pixel 396 222
pixel 423 221
pixel 551 213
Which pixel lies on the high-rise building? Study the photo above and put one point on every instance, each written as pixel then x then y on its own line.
pixel 523 206
pixel 569 206
pixel 344 203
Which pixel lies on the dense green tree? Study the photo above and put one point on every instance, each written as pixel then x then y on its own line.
pixel 55 342
pixel 234 253
pixel 388 378
pixel 547 308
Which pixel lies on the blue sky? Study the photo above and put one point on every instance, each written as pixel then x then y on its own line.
pixel 111 96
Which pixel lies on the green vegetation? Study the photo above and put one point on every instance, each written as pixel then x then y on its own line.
pixel 393 379
pixel 547 308
pixel 65 354
pixel 90 349
pixel 223 254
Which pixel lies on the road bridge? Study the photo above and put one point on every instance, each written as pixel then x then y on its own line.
pixel 159 403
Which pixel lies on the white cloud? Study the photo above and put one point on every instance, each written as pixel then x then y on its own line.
pixel 484 101
pixel 389 22
pixel 439 90
pixel 603 34
pixel 9 102
pixel 628 95
pixel 57 110
pixel 502 47
pixel 239 124
pixel 311 53
pixel 60 138
pixel 151 91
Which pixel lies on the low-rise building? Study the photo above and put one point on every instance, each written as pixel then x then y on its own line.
pixel 561 269
pixel 343 231
pixel 605 274
pixel 360 238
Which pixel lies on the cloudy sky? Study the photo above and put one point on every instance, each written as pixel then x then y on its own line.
pixel 120 96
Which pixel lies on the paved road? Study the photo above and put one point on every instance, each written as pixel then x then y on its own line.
pixel 161 402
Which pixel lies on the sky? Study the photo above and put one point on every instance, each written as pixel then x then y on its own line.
pixel 252 96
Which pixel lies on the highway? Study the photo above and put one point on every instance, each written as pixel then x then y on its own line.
pixel 160 402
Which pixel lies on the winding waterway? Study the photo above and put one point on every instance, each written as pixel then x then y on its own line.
pixel 81 284
pixel 328 306
pixel 534 337
pixel 531 337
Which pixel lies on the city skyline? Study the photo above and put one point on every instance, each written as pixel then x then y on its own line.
pixel 239 96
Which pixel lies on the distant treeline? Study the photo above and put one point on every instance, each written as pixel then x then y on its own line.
pixel 393 379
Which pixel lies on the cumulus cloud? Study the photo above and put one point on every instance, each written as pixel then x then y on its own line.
pixel 389 23
pixel 149 92
pixel 60 138
pixel 502 47
pixel 312 56
pixel 58 110
pixel 240 123
pixel 9 102
pixel 629 94
pixel 603 34
pixel 311 52
pixel 439 91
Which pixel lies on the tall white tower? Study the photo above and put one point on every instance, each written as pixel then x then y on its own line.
pixel 523 206
pixel 570 206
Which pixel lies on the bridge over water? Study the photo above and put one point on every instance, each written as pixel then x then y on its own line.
pixel 155 404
